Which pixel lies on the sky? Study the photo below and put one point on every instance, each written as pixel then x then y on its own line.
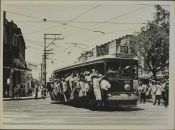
pixel 88 24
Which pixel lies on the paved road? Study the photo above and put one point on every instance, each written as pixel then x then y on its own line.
pixel 44 114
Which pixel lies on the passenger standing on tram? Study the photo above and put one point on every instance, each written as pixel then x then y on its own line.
pixel 96 85
pixel 105 85
pixel 58 86
pixel 88 79
pixel 67 78
pixel 75 86
pixel 81 86
pixel 71 81
pixel 65 92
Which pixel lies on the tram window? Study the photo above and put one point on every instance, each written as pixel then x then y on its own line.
pixel 112 66
pixel 100 68
pixel 129 69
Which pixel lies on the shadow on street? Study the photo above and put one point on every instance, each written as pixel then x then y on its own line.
pixel 110 108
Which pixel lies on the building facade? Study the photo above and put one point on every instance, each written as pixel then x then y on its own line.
pixel 14 64
pixel 118 47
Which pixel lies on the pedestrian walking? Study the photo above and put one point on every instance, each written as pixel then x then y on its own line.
pixel 166 94
pixel 43 92
pixel 139 90
pixel 153 91
pixel 143 93
pixel 164 87
pixel 158 93
pixel 36 91
pixel 17 91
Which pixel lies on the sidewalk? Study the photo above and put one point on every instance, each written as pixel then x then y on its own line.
pixel 24 98
pixel 21 98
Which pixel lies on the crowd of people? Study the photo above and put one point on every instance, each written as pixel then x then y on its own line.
pixel 94 85
pixel 20 91
pixel 87 84
pixel 154 91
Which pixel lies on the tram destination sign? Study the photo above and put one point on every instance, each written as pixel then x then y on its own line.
pixel 124 55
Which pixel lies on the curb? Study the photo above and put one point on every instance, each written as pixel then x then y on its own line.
pixel 22 98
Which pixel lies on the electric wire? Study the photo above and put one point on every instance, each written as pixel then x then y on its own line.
pixel 120 16
pixel 12 12
pixel 66 22
pixel 85 12
pixel 44 29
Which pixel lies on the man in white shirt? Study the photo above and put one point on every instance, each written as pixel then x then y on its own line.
pixel 105 85
pixel 96 85
pixel 158 93
pixel 143 92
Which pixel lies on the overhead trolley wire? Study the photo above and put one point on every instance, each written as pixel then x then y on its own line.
pixel 122 15
pixel 37 31
pixel 85 12
pixel 24 15
pixel 82 28
pixel 106 21
pixel 103 35
pixel 66 21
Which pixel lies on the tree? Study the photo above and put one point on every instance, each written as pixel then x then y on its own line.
pixel 152 43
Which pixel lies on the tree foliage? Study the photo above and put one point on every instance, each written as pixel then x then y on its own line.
pixel 152 43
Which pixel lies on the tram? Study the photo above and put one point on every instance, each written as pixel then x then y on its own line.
pixel 121 72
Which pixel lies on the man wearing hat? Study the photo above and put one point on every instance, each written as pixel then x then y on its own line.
pixel 105 85
pixel 96 85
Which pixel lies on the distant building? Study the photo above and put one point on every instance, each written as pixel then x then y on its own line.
pixel 118 47
pixel 14 64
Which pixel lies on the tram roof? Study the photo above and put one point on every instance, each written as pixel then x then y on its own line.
pixel 99 59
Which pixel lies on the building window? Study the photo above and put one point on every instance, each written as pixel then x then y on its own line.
pixel 124 49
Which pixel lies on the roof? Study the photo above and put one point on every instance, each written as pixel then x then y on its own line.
pixel 100 59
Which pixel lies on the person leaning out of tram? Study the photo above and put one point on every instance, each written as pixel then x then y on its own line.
pixel 65 89
pixel 96 85
pixel 105 85
pixel 81 88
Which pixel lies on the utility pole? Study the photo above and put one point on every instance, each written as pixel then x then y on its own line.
pixel 52 37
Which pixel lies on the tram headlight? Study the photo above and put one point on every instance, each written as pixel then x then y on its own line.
pixel 109 95
pixel 127 87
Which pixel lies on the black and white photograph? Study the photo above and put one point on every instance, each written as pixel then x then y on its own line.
pixel 87 64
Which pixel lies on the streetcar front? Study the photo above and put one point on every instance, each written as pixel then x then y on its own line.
pixel 122 75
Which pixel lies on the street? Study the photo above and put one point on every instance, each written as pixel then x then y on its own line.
pixel 44 114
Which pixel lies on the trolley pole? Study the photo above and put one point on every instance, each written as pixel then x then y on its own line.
pixel 47 52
